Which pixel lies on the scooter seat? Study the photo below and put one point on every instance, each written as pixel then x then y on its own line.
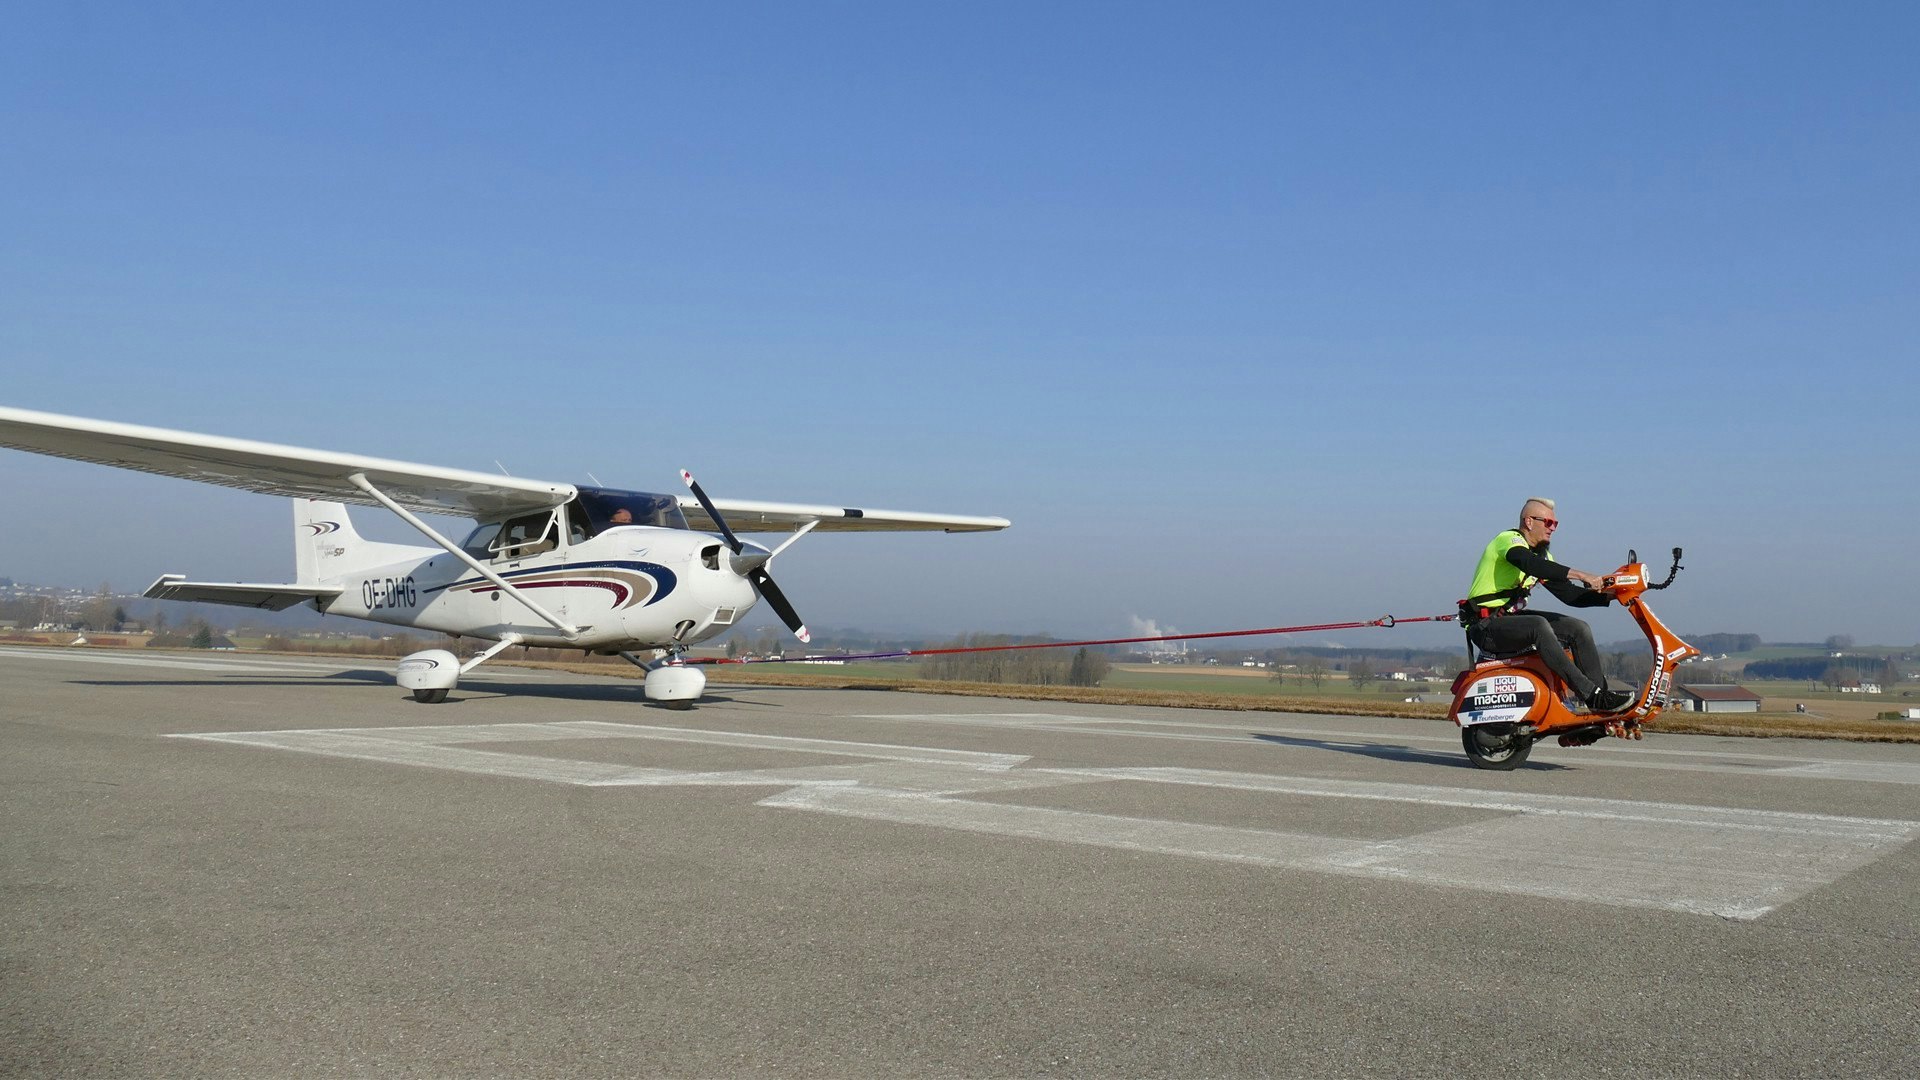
pixel 1496 654
pixel 1481 654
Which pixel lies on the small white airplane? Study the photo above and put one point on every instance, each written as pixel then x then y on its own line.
pixel 548 564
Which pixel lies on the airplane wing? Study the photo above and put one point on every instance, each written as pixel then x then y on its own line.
pixel 270 597
pixel 745 516
pixel 272 469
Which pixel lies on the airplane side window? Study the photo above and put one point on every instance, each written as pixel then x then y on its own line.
pixel 528 535
pixel 479 540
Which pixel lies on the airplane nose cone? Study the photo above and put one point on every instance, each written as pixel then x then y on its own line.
pixel 751 557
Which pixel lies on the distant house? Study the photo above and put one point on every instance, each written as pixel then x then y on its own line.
pixel 1716 697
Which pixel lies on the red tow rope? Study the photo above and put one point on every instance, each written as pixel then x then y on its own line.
pixel 1384 620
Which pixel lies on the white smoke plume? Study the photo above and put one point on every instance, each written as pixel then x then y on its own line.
pixel 1149 628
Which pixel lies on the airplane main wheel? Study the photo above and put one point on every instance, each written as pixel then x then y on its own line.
pixel 430 697
pixel 1495 746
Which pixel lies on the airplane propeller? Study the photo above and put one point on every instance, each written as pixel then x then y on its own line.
pixel 751 565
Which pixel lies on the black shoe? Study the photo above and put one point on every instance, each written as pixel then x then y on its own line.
pixel 1609 701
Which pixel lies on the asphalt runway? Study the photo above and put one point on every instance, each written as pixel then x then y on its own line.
pixel 266 866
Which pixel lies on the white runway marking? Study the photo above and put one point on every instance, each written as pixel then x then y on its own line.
pixel 80 656
pixel 1641 755
pixel 264 665
pixel 1737 864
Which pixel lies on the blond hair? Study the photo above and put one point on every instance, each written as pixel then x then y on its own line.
pixel 1535 501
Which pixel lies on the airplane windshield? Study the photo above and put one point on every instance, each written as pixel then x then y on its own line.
pixel 607 508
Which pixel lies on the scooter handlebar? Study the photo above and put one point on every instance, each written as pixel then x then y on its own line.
pixel 1633 578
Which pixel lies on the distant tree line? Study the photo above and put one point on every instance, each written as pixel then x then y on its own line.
pixel 1381 659
pixel 1726 643
pixel 1806 668
pixel 193 634
pixel 1630 665
pixel 102 612
pixel 1817 668
pixel 1633 665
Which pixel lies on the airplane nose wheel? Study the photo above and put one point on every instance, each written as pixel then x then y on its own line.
pixel 430 697
pixel 1495 746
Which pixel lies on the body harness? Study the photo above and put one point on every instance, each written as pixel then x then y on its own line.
pixel 1493 602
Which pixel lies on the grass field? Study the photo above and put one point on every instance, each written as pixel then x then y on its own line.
pixel 1246 682
pixel 1257 682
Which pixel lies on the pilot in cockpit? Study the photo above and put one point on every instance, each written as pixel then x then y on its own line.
pixel 622 516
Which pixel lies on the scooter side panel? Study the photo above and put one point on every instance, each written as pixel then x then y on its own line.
pixel 1501 696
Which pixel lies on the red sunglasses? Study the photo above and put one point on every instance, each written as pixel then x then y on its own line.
pixel 1548 522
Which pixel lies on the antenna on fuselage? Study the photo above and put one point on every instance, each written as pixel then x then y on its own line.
pixel 502 468
pixel 595 479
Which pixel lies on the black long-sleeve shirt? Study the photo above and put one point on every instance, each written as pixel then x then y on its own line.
pixel 1534 563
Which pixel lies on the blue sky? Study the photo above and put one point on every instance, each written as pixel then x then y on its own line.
pixel 1245 314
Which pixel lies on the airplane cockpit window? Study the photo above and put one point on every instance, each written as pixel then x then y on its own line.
pixel 608 508
pixel 478 541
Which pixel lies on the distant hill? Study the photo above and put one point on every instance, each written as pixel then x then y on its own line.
pixel 1711 644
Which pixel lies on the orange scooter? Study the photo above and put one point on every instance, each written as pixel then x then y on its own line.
pixel 1506 703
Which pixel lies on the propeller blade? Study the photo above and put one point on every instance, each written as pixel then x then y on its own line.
pixel 777 600
pixel 754 567
pixel 707 505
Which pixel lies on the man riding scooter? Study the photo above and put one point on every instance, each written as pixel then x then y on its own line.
pixel 1497 622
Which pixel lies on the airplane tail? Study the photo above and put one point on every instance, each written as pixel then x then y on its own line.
pixel 324 541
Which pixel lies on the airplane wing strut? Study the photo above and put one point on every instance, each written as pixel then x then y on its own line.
pixel 360 481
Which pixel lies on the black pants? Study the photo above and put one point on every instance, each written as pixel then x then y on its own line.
pixel 1552 634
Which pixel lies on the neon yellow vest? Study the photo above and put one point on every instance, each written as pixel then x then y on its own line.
pixel 1495 574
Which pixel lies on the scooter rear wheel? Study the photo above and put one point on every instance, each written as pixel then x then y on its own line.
pixel 1495 746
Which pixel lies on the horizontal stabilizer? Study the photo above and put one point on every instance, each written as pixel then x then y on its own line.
pixel 270 597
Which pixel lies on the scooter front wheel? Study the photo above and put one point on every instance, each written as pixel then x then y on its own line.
pixel 1495 746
